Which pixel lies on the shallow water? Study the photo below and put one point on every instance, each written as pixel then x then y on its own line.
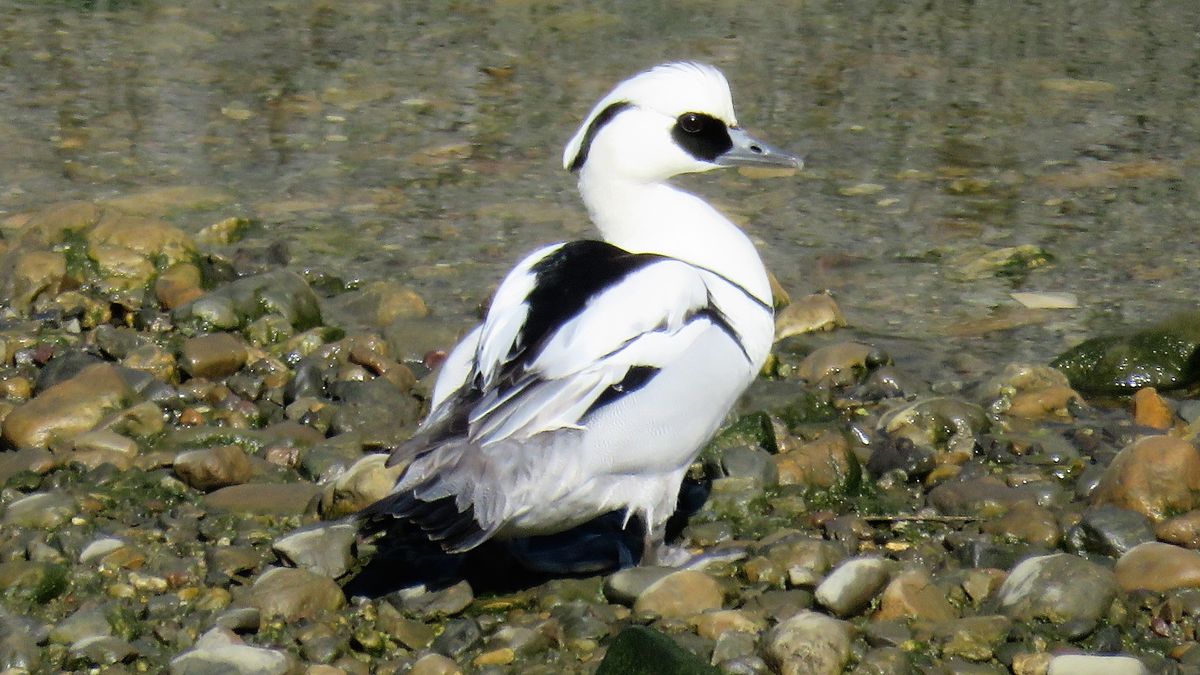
pixel 423 142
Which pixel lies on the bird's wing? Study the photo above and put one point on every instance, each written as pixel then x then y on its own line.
pixel 571 328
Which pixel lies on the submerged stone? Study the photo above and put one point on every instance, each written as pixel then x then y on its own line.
pixel 1163 357
pixel 639 650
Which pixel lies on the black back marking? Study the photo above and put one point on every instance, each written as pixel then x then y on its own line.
pixel 703 136
pixel 594 128
pixel 635 378
pixel 566 280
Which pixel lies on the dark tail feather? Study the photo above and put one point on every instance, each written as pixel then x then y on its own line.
pixel 439 520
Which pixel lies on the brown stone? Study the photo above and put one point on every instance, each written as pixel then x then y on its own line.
pixel 178 285
pixel 913 595
pixel 213 356
pixel 714 624
pixel 821 463
pixel 163 200
pixel 817 312
pixel 292 594
pixel 67 408
pixel 1043 403
pixel 122 267
pixel 34 273
pixel 265 498
pixel 1150 410
pixel 1155 476
pixel 1026 521
pixel 149 237
pixel 50 226
pixel 680 594
pixel 1183 530
pixel 840 363
pixel 1156 566
pixel 212 468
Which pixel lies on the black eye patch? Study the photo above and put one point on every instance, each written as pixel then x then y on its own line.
pixel 702 136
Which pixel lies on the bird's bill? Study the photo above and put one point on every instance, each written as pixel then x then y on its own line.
pixel 749 151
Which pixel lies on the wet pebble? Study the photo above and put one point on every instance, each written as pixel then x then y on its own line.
pixel 912 594
pixel 1112 531
pixel 1095 664
pixel 221 651
pixel 325 550
pixel 853 584
pixel 213 468
pixel 1061 588
pixel 67 408
pixel 292 594
pixel 1156 566
pixel 435 664
pixel 679 595
pixel 275 498
pixel 41 510
pixel 1155 476
pixel 624 586
pixel 213 356
pixel 808 643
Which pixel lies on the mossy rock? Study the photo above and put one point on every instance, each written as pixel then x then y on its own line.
pixel 638 650
pixel 241 303
pixel 1165 357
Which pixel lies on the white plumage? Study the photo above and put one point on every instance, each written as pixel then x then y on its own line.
pixel 602 368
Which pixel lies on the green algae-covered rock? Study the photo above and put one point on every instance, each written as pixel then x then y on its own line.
pixel 240 303
pixel 1164 357
pixel 638 650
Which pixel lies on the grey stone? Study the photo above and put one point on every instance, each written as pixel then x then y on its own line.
pixel 219 652
pixel 41 510
pixel 625 586
pixel 325 550
pixel 852 584
pixel 1064 589
pixel 88 621
pixel 1094 664
pixel 808 644
pixel 1113 531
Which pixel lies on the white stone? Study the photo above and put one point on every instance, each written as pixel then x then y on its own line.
pixel 1095 664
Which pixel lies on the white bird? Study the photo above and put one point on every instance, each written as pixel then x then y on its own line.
pixel 603 367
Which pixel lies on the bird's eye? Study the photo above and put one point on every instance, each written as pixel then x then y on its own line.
pixel 691 123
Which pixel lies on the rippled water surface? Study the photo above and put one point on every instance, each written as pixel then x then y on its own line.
pixel 422 141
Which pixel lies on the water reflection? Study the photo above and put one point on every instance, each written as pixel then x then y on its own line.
pixel 421 140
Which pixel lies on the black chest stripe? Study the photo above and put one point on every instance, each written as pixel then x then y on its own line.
pixel 566 280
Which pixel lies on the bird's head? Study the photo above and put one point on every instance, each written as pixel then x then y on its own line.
pixel 672 119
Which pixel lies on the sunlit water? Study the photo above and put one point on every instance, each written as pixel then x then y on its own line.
pixel 382 139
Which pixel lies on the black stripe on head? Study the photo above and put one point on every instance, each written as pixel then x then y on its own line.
pixel 635 378
pixel 703 136
pixel 566 280
pixel 594 128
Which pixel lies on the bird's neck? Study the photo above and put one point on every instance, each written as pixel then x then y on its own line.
pixel 660 218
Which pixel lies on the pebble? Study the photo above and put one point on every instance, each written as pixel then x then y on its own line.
pixel 67 408
pixel 1046 300
pixel 624 586
pixel 273 498
pixel 1095 664
pixel 1156 566
pixel 1155 476
pixel 680 595
pixel 220 651
pixel 213 356
pixel 823 463
pixel 1113 531
pixel 1150 410
pixel 838 364
pixel 1060 588
pixel 292 594
pixel 1183 529
pixel 41 510
pixel 808 643
pixel 326 550
pixel 853 584
pixel 638 650
pixel 812 313
pixel 1026 521
pixel 435 664
pixel 213 468
pixel 912 594
pixel 714 624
